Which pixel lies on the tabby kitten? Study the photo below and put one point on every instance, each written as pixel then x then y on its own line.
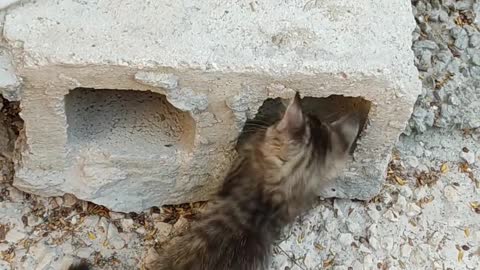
pixel 272 181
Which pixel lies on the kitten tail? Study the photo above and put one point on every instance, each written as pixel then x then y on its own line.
pixel 79 266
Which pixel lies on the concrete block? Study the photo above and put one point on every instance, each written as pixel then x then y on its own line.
pixel 9 83
pixel 136 104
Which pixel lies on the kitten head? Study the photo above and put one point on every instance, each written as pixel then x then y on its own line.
pixel 305 154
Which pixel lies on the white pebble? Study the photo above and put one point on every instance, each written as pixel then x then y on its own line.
pixel 373 213
pixel 116 215
pixel 450 193
pixel 391 215
pixel 413 210
pixel 127 224
pixel 405 250
pixel 435 239
pixel 406 191
pixel 15 235
pixel 400 204
pixel 411 161
pixel 353 227
pixel 364 249
pixel 69 200
pixel 163 228
pixel 114 237
pixel 387 244
pixel 468 157
pixel 374 243
pixel 345 239
pixel 84 252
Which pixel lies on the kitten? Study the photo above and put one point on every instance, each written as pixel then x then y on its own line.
pixel 272 182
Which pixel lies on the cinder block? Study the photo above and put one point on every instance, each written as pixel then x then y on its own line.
pixel 138 103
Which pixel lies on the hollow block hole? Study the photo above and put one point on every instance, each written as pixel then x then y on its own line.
pixel 126 121
pixel 326 109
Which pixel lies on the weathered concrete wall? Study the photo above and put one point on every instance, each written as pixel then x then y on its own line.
pixel 140 104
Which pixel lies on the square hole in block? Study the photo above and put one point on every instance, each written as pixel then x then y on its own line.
pixel 126 121
pixel 326 109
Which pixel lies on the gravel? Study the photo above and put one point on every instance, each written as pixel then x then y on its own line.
pixel 446 44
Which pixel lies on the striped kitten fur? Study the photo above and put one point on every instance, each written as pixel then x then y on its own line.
pixel 271 183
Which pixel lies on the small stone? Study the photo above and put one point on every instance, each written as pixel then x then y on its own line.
pixel 141 230
pixel 475 71
pixel 181 225
pixel 435 239
pixel 163 229
pixel 387 244
pixel 69 200
pixel 15 195
pixel 461 42
pixel 438 265
pixel 405 250
pixel 463 5
pixel 450 194
pixel 114 238
pixel 373 214
pixel 353 227
pixel 74 220
pixel 364 249
pixel 116 215
pixel 406 191
pixel 453 100
pixel 391 216
pixel 413 210
pixel 84 252
pixel 14 236
pixel 425 61
pixel 372 230
pixel 475 40
pixel 4 265
pixel 425 44
pixel 419 255
pixel 34 220
pixel 468 157
pixel 127 224
pixel 420 192
pixel 103 224
pixel 443 16
pixel 400 204
pixel 423 167
pixel 311 258
pixel 475 58
pixel 53 204
pixel 4 247
pixel 59 201
pixel 411 161
pixel 345 239
pixel 374 243
pixel 421 7
pixel 46 257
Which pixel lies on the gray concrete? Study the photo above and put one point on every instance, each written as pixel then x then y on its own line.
pixel 208 66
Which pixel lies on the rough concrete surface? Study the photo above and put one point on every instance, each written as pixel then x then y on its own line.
pixel 215 63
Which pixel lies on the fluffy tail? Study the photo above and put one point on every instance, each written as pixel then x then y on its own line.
pixel 79 266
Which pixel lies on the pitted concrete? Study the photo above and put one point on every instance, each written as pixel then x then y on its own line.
pixel 194 72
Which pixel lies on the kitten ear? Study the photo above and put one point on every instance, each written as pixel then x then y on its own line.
pixel 347 128
pixel 293 118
